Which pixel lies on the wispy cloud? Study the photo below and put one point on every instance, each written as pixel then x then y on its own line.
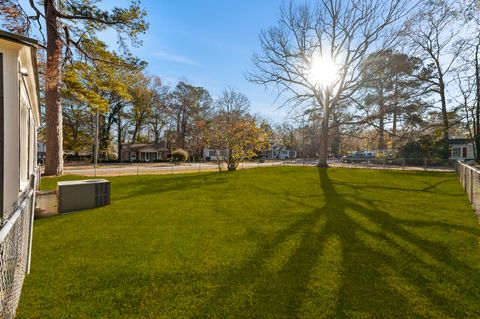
pixel 172 57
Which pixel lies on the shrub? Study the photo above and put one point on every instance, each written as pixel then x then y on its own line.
pixel 179 155
pixel 425 146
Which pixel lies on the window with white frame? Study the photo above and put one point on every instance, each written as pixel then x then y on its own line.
pixel 211 153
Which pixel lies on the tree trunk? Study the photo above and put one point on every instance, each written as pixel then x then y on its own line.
pixel 381 133
pixel 230 162
pixel 336 140
pixel 156 135
pixel 53 107
pixel 323 154
pixel 135 133
pixel 476 129
pixel 443 103
pixel 394 125
pixel 119 138
pixel 395 111
pixel 446 125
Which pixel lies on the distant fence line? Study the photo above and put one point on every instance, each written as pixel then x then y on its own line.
pixel 401 162
pixel 115 169
pixel 470 179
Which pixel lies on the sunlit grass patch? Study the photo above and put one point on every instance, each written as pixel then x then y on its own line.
pixel 272 242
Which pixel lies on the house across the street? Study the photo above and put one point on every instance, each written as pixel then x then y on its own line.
pixel 213 155
pixel 19 121
pixel 461 149
pixel 279 152
pixel 143 152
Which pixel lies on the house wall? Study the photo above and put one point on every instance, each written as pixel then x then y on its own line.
pixel 279 154
pixel 20 120
pixel 10 127
pixel 213 155
pixel 470 151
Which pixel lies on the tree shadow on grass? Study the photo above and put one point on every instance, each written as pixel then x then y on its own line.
pixel 160 184
pixel 349 259
pixel 431 188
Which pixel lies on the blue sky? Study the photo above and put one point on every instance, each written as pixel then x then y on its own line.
pixel 210 44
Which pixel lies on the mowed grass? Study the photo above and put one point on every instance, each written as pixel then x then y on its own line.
pixel 262 243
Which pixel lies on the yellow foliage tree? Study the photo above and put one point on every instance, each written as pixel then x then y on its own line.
pixel 239 138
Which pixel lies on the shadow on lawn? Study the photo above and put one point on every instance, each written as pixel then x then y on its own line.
pixel 361 262
pixel 158 184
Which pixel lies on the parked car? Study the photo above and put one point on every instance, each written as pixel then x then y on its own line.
pixel 358 158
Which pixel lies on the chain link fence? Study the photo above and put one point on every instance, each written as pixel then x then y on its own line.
pixel 112 169
pixel 15 249
pixel 427 164
pixel 470 179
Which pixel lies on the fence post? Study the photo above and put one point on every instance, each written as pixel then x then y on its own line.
pixel 384 162
pixel 403 162
pixel 137 169
pixel 471 186
pixel 172 169
pixel 199 167
pixel 32 217
pixel 425 163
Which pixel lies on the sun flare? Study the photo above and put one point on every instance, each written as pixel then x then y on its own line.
pixel 323 70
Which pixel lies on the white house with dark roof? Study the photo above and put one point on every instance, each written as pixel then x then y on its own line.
pixel 213 155
pixel 279 152
pixel 461 149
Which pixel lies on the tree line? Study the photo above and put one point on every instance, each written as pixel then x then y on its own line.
pixel 408 72
pixel 404 73
pixel 134 107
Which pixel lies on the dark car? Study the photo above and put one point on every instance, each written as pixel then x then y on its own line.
pixel 358 158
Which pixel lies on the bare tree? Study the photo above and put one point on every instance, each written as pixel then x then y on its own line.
pixel 433 35
pixel 160 111
pixel 468 75
pixel 340 32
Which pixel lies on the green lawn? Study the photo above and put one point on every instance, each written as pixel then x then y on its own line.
pixel 262 243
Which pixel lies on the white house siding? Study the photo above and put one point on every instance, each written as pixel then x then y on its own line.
pixel 457 151
pixel 19 120
pixel 19 154
pixel 214 155
pixel 279 153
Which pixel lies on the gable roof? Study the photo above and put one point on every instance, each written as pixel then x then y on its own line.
pixel 459 141
pixel 18 38
pixel 32 45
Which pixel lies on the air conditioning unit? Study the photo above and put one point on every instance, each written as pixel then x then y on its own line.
pixel 83 194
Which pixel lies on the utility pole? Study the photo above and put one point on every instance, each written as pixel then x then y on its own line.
pixel 95 155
